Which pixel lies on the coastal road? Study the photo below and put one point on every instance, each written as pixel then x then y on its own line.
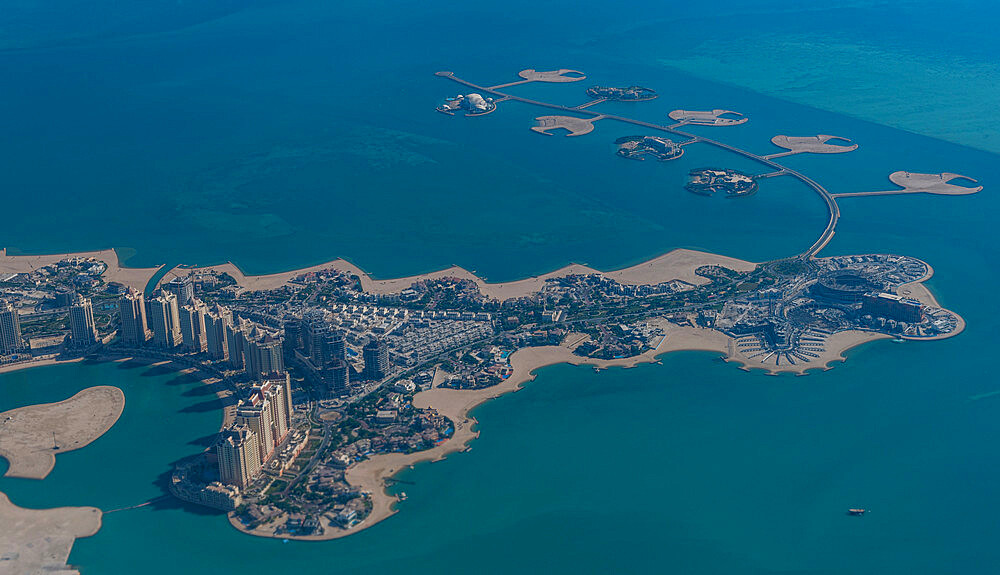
pixel 833 210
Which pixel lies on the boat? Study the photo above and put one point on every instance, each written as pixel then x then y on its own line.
pixel 898 340
pixel 857 512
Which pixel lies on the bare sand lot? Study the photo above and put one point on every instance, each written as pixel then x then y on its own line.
pixel 32 436
pixel 38 541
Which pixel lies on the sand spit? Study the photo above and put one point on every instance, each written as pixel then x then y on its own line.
pixel 678 264
pixel 37 541
pixel 136 278
pixel 27 433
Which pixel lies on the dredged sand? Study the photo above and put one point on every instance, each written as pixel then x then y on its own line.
pixel 32 436
pixel 38 541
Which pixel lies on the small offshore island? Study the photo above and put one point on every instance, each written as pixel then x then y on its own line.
pixel 637 147
pixel 627 94
pixel 330 382
pixel 471 104
pixel 709 181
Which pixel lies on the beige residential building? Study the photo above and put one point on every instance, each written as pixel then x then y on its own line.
pixel 216 320
pixel 164 319
pixel 192 325
pixel 133 330
pixel 83 329
pixel 268 412
pixel 239 456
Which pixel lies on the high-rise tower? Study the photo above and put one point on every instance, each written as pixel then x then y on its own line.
pixel 132 330
pixel 83 329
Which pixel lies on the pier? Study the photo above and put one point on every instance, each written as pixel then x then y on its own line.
pixel 138 505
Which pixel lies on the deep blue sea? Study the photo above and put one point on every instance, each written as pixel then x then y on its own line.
pixel 284 134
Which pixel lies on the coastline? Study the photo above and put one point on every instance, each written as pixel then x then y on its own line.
pixel 44 538
pixel 370 475
pixel 677 264
pixel 40 363
pixel 41 540
pixel 836 345
pixel 136 278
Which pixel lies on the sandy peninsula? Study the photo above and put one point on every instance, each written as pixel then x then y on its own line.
pixel 136 278
pixel 678 264
pixel 36 541
pixel 32 436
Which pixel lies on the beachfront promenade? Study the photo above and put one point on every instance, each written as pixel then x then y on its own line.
pixel 833 210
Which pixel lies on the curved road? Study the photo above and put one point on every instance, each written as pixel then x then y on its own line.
pixel 831 203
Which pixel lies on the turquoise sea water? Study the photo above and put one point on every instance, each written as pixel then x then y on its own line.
pixel 285 134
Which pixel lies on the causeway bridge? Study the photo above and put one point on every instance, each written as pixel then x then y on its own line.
pixel 833 210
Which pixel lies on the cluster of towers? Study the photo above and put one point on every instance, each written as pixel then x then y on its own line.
pixel 323 349
pixel 83 328
pixel 262 422
pixel 176 320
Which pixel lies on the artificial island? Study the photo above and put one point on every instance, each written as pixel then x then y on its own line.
pixel 332 381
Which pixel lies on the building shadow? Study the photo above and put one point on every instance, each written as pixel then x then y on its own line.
pixel 210 405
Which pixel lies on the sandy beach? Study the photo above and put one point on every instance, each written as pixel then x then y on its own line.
pixel 27 433
pixel 136 278
pixel 39 363
pixel 678 264
pixel 918 291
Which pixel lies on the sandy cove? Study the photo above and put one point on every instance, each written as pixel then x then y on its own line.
pixel 678 264
pixel 136 278
pixel 370 475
